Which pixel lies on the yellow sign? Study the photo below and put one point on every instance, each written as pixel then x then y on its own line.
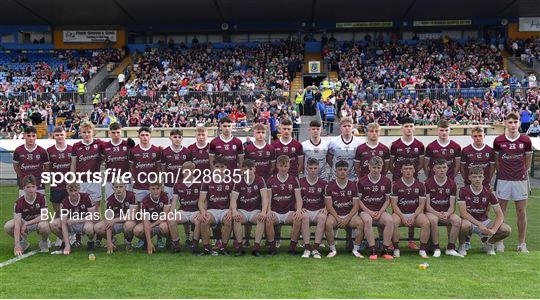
pixel 314 67
pixel 442 23
pixel 384 24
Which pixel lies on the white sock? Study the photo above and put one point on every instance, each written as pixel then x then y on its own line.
pixel 356 247
pixel 332 248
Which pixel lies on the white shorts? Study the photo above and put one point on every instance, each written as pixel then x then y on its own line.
pixel 250 215
pixel 77 228
pixel 140 194
pixel 155 230
pixel 476 230
pixel 118 228
pixel 21 192
pixel 282 218
pixel 109 189
pixel 31 228
pixel 218 214
pixel 188 216
pixel 512 190
pixel 313 216
pixel 169 190
pixel 93 190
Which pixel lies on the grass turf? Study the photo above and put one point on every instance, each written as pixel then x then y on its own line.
pixel 163 275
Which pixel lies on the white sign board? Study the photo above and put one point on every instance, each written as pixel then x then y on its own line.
pixel 529 24
pixel 88 36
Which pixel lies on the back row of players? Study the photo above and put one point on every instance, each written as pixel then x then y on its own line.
pixel 290 186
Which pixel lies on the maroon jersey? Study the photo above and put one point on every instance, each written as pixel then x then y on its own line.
pixel 449 152
pixel 312 194
pixel 472 157
pixel 283 198
pixel 200 156
pixel 116 157
pixel 263 158
pixel 408 195
pixel 144 161
pixel 32 210
pixel 439 194
pixel 228 149
pixel 188 195
pixel 88 156
pixel 121 205
pixel 172 161
pixel 401 151
pixel 512 157
pixel 293 150
pixel 60 161
pixel 374 194
pixel 154 207
pixel 342 198
pixel 249 195
pixel 82 206
pixel 217 194
pixel 477 204
pixel 365 152
pixel 31 162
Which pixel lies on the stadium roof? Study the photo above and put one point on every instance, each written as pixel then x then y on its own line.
pixel 144 12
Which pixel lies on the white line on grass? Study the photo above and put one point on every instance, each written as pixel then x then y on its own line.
pixel 16 259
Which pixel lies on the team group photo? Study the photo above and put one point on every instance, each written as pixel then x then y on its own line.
pixel 346 154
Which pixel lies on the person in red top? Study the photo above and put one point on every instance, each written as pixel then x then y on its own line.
pixel 445 148
pixel 474 203
pixel 59 161
pixel 116 157
pixel 514 157
pixel 27 217
pixel 30 159
pixel 478 154
pixel 341 200
pixel 440 206
pixel 285 204
pixel 144 158
pixel 407 148
pixel 86 156
pixel 172 159
pixel 370 149
pixel 228 146
pixel 312 189
pixel 249 204
pixel 154 206
pixel 214 204
pixel 374 192
pixel 408 202
pixel 290 147
pixel 262 153
pixel 78 216
pixel 119 217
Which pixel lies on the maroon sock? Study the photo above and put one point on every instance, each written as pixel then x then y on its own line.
pixel 308 247
pixel 423 246
pixel 293 244
pixel 396 245
pixel 224 245
pixel 207 247
pixel 451 246
pixel 436 246
pixel 195 245
pixel 272 245
pixel 256 247
pixel 316 247
pixel 386 249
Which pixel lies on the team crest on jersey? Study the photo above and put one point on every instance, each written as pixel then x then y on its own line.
pixel 293 149
pixel 451 151
pixel 383 188
pixel 124 148
pixel 521 146
pixel 160 204
pixel 484 200
pixel 319 190
pixel 349 193
pixel 153 155
pixel 416 190
pixel 95 146
pixel 38 156
pixel 234 147
pixel 37 205
pixel 447 191
pixel 416 149
pixel 487 154
pixel 83 206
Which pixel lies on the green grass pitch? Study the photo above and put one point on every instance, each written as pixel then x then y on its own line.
pixel 163 275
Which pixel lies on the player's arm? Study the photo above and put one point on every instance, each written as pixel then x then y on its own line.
pixel 358 169
pixel 17 222
pixel 462 167
pixel 425 164
pixel 499 218
pixel 240 160
pixel 269 197
pixel 330 207
pixel 362 206
pixel 301 167
pixel 73 167
pixel 147 226
pixel 354 210
pixel 528 161
pixel 211 161
pixel 233 201
pixel 395 208
pixel 491 169
pixel 466 215
pixel 329 158
pixel 202 203
pixel 386 166
pixel 385 204
pixel 497 160
pixel 457 164
pixel 272 166
pixel 166 210
pixel 175 202
pixel 430 209
pixel 421 206
pixel 265 207
pixel 35 220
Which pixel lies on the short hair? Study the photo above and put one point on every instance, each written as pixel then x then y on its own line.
pixel 144 129
pixel 29 179
pixel 286 122
pixel 476 171
pixel 30 129
pixel 376 161
pixel 259 127
pixel 312 162
pixel 440 161
pixel 374 126
pixel 407 162
pixel 201 129
pixel 87 125
pixel 283 159
pixel 477 129
pixel 346 120
pixel 224 120
pixel 443 124
pixel 512 116
pixel 189 165
pixel 315 123
pixel 342 164
pixel 155 183
pixel 115 126
pixel 248 163
pixel 176 132
pixel 73 185
pixel 220 159
pixel 407 120
pixel 59 129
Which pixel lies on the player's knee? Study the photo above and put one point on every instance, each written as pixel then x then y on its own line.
pixel 505 230
pixel 89 228
pixel 128 226
pixel 8 228
pixel 455 222
pixel 43 227
pixel 321 219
